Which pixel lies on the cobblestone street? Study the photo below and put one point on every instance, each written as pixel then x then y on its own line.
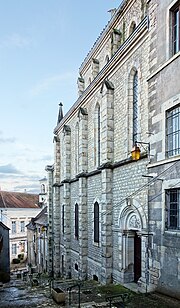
pixel 20 294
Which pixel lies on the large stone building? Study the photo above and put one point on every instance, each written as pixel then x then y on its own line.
pixel 100 224
pixel 164 126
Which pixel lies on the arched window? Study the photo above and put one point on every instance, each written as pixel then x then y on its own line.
pixel 96 222
pixel 77 147
pixel 135 107
pixel 97 129
pixel 63 219
pixel 76 222
pixel 42 188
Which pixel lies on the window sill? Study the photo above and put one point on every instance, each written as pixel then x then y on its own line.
pixel 96 244
pixel 172 232
pixel 164 65
pixel 164 161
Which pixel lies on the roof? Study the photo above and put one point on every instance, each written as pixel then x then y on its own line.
pixel 40 219
pixel 18 200
pixel 4 226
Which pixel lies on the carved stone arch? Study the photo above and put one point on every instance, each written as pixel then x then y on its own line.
pixel 132 216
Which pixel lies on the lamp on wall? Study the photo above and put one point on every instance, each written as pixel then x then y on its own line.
pixel 136 152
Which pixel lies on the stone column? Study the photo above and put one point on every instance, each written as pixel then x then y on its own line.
pixel 83 227
pixel 106 226
pixel 115 40
pixel 95 68
pixel 83 140
pixel 107 122
pixel 50 170
pixel 83 164
pixel 81 86
pixel 66 200
pixel 56 208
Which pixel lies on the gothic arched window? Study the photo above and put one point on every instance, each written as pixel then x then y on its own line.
pixel 76 221
pixel 135 107
pixel 96 222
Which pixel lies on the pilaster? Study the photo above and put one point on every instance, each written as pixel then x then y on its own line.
pixel 107 122
pixel 106 226
pixel 83 140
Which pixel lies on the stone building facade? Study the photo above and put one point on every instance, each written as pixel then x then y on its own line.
pixel 98 195
pixel 113 218
pixel 164 127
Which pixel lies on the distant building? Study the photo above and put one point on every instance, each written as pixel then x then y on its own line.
pixel 16 211
pixel 4 253
pixel 37 242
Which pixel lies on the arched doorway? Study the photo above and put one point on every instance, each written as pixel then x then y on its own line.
pixel 131 245
pixel 137 257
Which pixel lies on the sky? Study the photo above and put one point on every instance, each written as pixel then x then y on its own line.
pixel 42 45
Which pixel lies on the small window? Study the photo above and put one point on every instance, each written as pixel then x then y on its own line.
pixel 173 209
pixel 14 249
pixel 76 266
pixel 22 226
pixel 176 28
pixel 96 222
pixel 76 221
pixel 13 226
pixel 173 131
pixel 42 188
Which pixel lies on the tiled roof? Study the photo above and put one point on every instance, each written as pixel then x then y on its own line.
pixel 18 200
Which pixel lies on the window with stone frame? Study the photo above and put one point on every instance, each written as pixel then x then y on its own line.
pixel 14 249
pixel 76 224
pixel 96 222
pixel 172 207
pixel 135 107
pixel 173 131
pixel 13 227
pixel 175 29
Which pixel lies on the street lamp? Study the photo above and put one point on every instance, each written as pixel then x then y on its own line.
pixel 136 152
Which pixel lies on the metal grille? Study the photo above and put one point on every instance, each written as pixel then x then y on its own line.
pixel 135 107
pixel 173 132
pixel 173 208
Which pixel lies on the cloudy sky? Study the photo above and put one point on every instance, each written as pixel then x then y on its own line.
pixel 42 45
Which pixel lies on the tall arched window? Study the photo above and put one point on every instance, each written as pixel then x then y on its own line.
pixel 97 129
pixel 135 107
pixel 76 222
pixel 77 147
pixel 63 219
pixel 96 222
